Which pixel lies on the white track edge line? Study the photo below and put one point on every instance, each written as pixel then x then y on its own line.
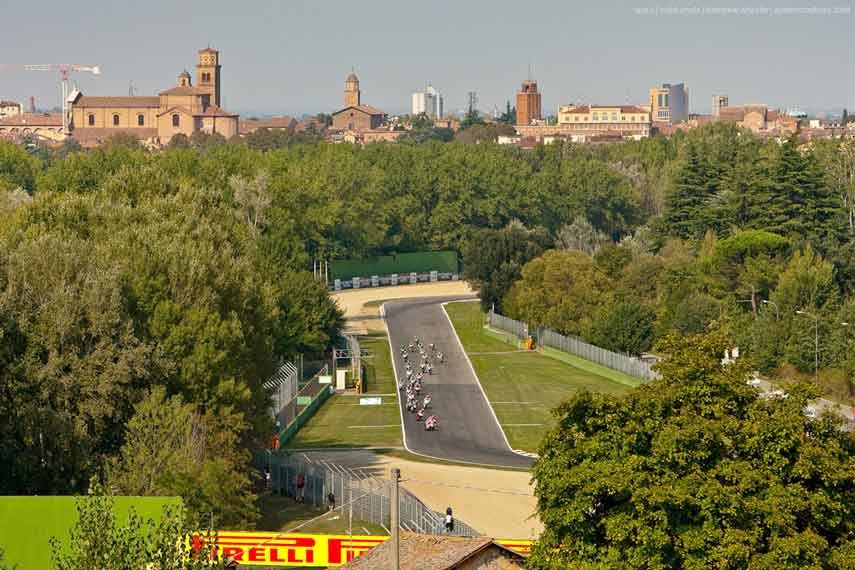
pixel 395 371
pixel 401 409
pixel 478 381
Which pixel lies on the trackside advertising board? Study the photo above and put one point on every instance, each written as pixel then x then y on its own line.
pixel 307 550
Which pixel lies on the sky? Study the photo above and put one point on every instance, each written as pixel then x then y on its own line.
pixel 292 56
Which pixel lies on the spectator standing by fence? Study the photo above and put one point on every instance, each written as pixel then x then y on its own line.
pixel 300 483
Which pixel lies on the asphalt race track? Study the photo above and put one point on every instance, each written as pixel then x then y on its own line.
pixel 468 430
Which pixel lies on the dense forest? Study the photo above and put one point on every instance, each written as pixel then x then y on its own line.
pixel 140 290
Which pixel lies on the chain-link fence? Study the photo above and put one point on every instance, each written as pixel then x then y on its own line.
pixel 287 401
pixel 283 388
pixel 629 365
pixel 367 497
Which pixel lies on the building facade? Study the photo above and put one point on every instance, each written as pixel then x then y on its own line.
pixel 589 123
pixel 10 109
pixel 759 119
pixel 528 103
pixel 719 102
pixel 428 102
pixel 183 109
pixel 355 116
pixel 45 127
pixel 669 103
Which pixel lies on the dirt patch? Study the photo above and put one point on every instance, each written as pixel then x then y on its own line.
pixel 497 503
pixel 366 319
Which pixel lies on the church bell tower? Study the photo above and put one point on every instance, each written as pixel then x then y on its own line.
pixel 352 96
pixel 208 73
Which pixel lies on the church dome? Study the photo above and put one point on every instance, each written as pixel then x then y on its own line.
pixel 352 77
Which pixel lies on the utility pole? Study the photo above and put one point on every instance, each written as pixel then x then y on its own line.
pixel 393 522
pixel 816 343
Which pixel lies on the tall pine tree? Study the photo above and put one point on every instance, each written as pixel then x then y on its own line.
pixel 797 202
pixel 685 206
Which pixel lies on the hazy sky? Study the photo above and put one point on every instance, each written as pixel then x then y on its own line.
pixel 291 56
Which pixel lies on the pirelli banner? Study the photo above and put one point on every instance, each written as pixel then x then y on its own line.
pixel 306 550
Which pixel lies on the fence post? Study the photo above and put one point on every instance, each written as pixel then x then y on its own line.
pixel 393 526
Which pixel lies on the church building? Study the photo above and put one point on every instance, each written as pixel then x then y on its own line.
pixel 183 109
pixel 355 116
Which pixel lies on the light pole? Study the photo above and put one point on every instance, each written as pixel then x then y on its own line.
pixel 816 343
pixel 777 313
pixel 775 305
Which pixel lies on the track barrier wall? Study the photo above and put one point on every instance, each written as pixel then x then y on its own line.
pixel 368 497
pixel 629 365
pixel 400 264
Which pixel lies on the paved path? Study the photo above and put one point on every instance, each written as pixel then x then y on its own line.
pixel 468 429
pixel 365 320
pixel 498 503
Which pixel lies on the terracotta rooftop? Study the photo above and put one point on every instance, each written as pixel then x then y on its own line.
pixel 427 552
pixel 585 109
pixel 185 90
pixel 249 125
pixel 208 50
pixel 117 102
pixel 33 120
pixel 214 111
pixel 8 104
pixel 367 109
pixel 176 109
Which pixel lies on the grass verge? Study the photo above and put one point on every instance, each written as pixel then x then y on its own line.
pixel 524 386
pixel 342 422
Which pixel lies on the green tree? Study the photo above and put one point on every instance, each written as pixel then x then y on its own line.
pixel 99 540
pixel 3 565
pixel 685 216
pixel 18 169
pixel 561 290
pixel 581 235
pixel 493 260
pixel 480 133
pixel 179 140
pixel 798 203
pixel 171 448
pixel 695 471
pixel 624 327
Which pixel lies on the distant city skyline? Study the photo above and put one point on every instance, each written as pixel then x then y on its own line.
pixel 292 56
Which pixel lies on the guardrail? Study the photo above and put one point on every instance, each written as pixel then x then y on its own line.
pixel 367 496
pixel 625 363
pixel 368 281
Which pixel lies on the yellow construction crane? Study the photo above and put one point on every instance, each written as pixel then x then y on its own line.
pixel 65 70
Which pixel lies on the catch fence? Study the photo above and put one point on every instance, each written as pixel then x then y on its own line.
pixel 629 365
pixel 366 495
pixel 289 403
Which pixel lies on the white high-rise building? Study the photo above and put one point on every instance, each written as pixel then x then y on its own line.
pixel 428 102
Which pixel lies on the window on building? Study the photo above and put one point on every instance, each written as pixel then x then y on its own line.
pixel 176 120
pixel 614 117
pixel 659 100
pixel 115 120
pixel 141 120
pixel 595 116
pixel 666 99
pixel 91 120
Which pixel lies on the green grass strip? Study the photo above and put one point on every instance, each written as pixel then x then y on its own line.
pixel 591 367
